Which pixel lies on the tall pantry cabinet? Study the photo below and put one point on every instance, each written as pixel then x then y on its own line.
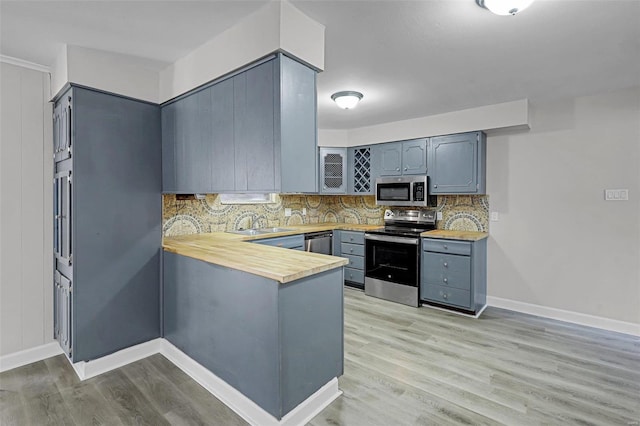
pixel 107 222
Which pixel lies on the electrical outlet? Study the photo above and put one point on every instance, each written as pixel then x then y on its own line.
pixel 287 212
pixel 495 216
pixel 616 195
pixel 438 215
pixel 304 211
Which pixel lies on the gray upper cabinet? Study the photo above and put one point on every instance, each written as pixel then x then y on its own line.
pixel 457 164
pixel 389 157
pixel 414 157
pixel 254 131
pixel 333 170
pixel 254 100
pixel 360 179
pixel 401 158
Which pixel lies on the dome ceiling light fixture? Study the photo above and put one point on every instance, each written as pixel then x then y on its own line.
pixel 504 7
pixel 347 99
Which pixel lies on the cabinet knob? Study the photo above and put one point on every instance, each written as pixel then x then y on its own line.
pixel 435 186
pixel 445 264
pixel 445 247
pixel 446 280
pixel 406 168
pixel 397 169
pixel 350 250
pixel 445 295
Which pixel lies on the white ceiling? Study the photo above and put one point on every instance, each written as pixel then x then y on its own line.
pixel 409 58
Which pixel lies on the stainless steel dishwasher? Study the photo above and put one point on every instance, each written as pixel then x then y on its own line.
pixel 318 242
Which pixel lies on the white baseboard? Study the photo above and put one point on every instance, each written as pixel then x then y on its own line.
pixel 242 405
pixel 89 369
pixel 568 316
pixel 27 356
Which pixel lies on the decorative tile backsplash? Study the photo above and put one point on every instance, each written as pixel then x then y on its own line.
pixel 459 212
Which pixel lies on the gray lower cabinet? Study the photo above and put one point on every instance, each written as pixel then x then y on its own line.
pixel 107 223
pixel 295 242
pixel 275 343
pixel 457 164
pixel 254 131
pixel 350 245
pixel 454 274
pixel 333 170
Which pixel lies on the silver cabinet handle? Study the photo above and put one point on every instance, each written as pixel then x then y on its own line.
pixel 406 168
pixel 445 264
pixel 446 280
pixel 397 169
pixel 435 186
pixel 445 295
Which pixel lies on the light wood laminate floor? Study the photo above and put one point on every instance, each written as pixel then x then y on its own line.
pixel 403 366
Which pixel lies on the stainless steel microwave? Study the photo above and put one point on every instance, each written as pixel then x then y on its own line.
pixel 404 191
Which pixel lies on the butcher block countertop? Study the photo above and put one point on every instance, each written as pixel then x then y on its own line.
pixel 455 235
pixel 279 264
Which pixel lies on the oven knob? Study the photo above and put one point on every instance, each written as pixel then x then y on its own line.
pixel 389 276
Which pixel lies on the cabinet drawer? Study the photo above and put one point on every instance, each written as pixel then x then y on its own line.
pixel 352 249
pixel 446 246
pixel 353 275
pixel 448 270
pixel 356 262
pixel 446 295
pixel 352 237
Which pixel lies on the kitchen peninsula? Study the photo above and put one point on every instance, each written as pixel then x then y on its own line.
pixel 266 320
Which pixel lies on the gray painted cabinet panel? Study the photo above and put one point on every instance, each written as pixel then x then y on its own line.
pixel 298 127
pixel 275 343
pixel 390 159
pixel 222 136
pixel 458 280
pixel 414 157
pixel 333 170
pixel 251 132
pixel 116 220
pixel 457 164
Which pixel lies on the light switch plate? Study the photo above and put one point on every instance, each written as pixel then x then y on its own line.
pixel 287 212
pixel 438 215
pixel 616 195
pixel 304 211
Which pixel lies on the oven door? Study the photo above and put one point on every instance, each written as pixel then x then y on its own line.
pixel 393 259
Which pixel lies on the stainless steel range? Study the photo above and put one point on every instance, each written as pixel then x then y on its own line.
pixel 392 255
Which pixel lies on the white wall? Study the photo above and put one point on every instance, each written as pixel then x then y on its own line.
pixel 558 243
pixel 26 290
pixel 276 26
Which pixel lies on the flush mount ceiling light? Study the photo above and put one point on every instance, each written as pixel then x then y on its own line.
pixel 347 99
pixel 505 7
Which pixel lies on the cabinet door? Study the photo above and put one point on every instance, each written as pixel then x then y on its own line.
pixel 63 128
pixel 414 157
pixel 390 158
pixel 359 170
pixel 192 150
pixel 333 170
pixel 298 169
pixel 254 108
pixel 63 312
pixel 221 137
pixel 168 124
pixel 454 164
pixel 62 238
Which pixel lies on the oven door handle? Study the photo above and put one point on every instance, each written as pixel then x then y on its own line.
pixel 392 239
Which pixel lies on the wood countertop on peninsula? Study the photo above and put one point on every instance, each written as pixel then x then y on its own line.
pixel 455 235
pixel 282 265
